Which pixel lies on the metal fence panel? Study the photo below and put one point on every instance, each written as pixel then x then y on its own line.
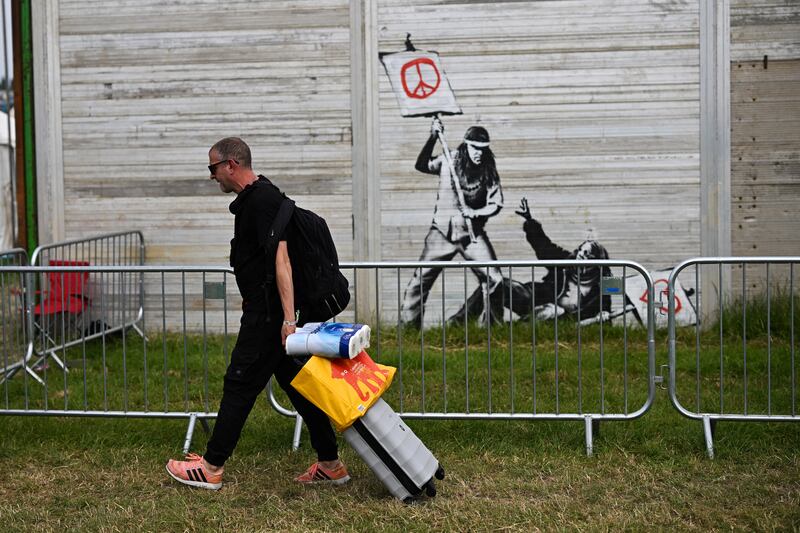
pixel 738 362
pixel 13 325
pixel 14 257
pixel 169 373
pixel 516 359
pixel 520 360
pixel 111 301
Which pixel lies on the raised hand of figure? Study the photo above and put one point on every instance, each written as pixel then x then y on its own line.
pixel 523 210
pixel 437 127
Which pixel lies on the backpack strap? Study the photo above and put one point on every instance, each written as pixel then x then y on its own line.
pixel 277 231
pixel 282 218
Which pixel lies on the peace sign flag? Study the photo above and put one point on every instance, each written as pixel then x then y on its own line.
pixel 419 83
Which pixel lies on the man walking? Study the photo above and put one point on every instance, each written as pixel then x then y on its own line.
pixel 268 317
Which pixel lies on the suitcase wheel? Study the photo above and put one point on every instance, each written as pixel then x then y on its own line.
pixel 430 489
pixel 439 472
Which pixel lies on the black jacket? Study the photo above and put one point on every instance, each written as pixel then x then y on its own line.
pixel 254 210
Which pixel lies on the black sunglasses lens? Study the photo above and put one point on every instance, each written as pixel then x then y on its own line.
pixel 212 168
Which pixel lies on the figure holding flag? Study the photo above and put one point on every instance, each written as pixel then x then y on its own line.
pixel 469 193
pixel 469 187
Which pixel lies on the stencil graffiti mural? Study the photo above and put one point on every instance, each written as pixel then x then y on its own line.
pixel 459 220
pixel 419 83
pixel 685 314
pixel 573 290
pixel 469 187
pixel 469 195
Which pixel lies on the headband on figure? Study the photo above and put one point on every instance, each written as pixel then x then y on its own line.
pixel 476 144
pixel 477 137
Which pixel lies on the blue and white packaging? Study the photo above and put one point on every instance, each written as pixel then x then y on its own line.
pixel 329 339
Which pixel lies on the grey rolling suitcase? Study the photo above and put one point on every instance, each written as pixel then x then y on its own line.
pixel 396 455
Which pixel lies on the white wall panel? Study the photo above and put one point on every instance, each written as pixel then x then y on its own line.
pixel 592 108
pixel 149 86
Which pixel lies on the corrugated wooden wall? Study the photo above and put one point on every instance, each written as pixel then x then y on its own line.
pixel 149 85
pixel 593 112
pixel 592 108
pixel 765 123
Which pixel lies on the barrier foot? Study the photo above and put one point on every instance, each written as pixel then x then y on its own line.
pixel 591 424
pixel 187 443
pixel 11 372
pixel 57 360
pixel 22 364
pixel 298 428
pixel 709 426
pixel 140 332
pixel 13 366
pixel 34 375
pixel 52 355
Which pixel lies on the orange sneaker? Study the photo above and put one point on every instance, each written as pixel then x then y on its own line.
pixel 192 472
pixel 317 473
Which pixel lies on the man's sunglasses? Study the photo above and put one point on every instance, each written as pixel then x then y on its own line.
pixel 213 166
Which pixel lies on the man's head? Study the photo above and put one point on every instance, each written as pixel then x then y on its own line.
pixel 477 140
pixel 229 162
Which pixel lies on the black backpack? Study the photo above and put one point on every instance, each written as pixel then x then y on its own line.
pixel 320 289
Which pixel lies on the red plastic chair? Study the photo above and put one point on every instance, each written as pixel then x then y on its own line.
pixel 66 297
pixel 66 291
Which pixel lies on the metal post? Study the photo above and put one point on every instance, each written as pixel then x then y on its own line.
pixel 298 429
pixel 588 423
pixel 187 443
pixel 708 430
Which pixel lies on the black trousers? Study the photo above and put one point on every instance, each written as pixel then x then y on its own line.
pixel 256 357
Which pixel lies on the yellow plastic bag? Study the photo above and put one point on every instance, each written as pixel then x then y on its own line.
pixel 343 388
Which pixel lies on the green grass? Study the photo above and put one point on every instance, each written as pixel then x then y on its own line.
pixel 745 361
pixel 95 474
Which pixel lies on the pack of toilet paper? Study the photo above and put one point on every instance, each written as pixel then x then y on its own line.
pixel 329 339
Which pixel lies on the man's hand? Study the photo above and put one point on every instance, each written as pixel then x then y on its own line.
pixel 524 211
pixel 286 330
pixel 437 127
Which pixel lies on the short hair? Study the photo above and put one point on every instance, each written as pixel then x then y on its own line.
pixel 234 148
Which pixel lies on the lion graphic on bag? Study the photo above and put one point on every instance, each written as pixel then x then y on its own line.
pixel 365 373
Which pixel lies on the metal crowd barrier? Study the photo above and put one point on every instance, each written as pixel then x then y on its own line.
pixel 13 326
pixel 118 297
pixel 738 362
pixel 14 257
pixel 174 373
pixel 517 364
